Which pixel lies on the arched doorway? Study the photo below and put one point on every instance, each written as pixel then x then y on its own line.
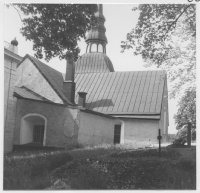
pixel 33 130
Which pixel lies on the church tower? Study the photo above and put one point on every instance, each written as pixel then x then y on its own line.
pixel 95 58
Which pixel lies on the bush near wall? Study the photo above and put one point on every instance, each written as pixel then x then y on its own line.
pixel 32 172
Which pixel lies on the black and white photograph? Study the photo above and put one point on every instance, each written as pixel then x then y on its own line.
pixel 100 95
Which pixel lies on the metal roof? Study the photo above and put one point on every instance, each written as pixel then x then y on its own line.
pixel 115 93
pixel 94 62
pixel 138 92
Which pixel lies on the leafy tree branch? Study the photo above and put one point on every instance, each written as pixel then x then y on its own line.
pixel 55 29
pixel 165 36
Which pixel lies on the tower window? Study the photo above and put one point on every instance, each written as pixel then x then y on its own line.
pixel 94 48
pixel 100 48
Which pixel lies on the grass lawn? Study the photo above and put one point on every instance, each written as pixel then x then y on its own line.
pixel 102 168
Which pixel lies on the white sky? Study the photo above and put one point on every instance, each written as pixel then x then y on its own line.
pixel 120 19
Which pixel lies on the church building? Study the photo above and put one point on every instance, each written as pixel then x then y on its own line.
pixel 90 104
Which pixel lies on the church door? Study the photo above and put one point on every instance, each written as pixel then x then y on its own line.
pixel 117 134
pixel 38 133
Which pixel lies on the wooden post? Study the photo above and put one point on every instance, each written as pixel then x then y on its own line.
pixel 189 134
pixel 159 138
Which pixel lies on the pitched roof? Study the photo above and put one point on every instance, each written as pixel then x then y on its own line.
pixel 138 92
pixel 114 93
pixel 94 62
pixel 24 93
pixel 52 76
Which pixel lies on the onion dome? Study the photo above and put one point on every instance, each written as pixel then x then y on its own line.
pixel 95 59
pixel 14 42
pixel 94 63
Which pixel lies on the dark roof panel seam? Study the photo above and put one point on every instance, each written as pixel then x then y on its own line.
pixel 148 92
pixel 94 97
pixel 145 77
pixel 101 86
pixel 98 78
pixel 104 94
pixel 124 80
pixel 162 95
pixel 82 82
pixel 115 77
pixel 131 75
pixel 117 85
pixel 86 82
pixel 136 77
pixel 153 89
pixel 95 79
pixel 137 91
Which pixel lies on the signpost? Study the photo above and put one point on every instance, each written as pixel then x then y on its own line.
pixel 159 138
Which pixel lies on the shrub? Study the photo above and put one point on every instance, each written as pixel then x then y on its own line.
pixel 181 136
pixel 179 141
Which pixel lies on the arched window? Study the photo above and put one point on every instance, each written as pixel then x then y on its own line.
pixel 94 48
pixel 100 48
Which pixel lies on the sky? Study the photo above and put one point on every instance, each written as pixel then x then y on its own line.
pixel 120 19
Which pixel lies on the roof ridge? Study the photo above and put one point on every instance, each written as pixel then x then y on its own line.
pixel 44 64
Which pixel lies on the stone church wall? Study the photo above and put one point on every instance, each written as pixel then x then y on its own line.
pixel 62 122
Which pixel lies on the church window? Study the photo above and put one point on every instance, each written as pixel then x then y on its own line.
pixel 100 48
pixel 94 48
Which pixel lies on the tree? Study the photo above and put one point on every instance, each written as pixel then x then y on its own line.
pixel 186 113
pixel 55 29
pixel 187 110
pixel 165 35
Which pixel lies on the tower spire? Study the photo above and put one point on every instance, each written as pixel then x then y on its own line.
pixel 95 59
pixel 96 39
pixel 100 8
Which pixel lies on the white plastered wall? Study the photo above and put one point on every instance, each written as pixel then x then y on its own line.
pixel 29 76
pixel 95 130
